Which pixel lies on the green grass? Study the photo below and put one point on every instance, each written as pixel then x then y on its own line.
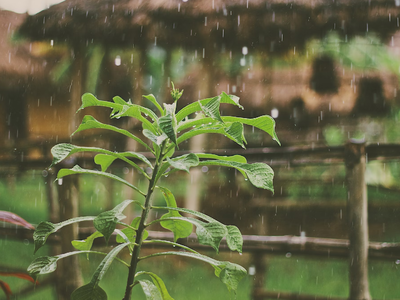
pixel 185 279
pixel 329 277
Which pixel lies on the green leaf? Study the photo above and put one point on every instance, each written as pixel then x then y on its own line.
pixel 92 291
pixel 188 211
pixel 89 122
pixel 210 234
pixel 42 265
pixel 229 273
pixel 150 290
pixel 168 123
pixel 230 99
pixel 235 158
pixel 157 139
pixel 181 229
pixel 153 100
pixel 89 291
pixel 211 109
pixel 61 151
pixel 235 132
pixel 78 170
pixel 194 107
pixel 87 243
pixel 106 222
pixel 260 175
pixel 135 111
pixel 264 123
pixel 184 162
pixel 44 229
pixel 159 283
pixel 146 111
pixel 89 100
pixel 105 160
pixel 234 238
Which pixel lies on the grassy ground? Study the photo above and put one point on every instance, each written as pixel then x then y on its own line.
pixel 185 279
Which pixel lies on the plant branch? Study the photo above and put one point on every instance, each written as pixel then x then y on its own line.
pixel 139 234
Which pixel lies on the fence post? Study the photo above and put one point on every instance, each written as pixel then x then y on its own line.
pixel 355 160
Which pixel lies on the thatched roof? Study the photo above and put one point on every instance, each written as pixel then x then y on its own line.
pixel 75 21
pixel 273 26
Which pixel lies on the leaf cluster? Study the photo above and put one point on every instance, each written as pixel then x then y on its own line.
pixel 164 132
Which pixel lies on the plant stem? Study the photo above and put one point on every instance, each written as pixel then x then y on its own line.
pixel 142 226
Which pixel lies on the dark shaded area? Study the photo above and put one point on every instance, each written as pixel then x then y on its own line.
pixel 371 100
pixel 324 78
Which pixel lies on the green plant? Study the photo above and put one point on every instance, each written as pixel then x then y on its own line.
pixel 165 133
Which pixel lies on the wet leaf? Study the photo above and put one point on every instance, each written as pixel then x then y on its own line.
pixel 235 158
pixel 43 265
pixel 158 283
pixel 90 122
pixel 211 109
pixel 234 238
pixel 264 123
pixel 167 123
pixel 184 162
pixel 181 229
pixel 210 234
pixel 87 243
pixel 44 229
pixel 12 218
pixel 260 175
pixel 89 291
pixel 229 273
pixel 150 290
pixel 153 100
pixel 106 222
pixel 78 170
pixel 92 290
pixel 235 132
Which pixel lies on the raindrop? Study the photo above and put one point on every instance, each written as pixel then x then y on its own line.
pixel 125 170
pixel 245 50
pixel 243 61
pixel 274 113
pixel 288 255
pixel 252 270
pixel 149 170
pixel 205 21
pixel 397 262
pixel 117 60
pixel 26 242
pixel 51 43
pixel 204 169
pixel 60 181
pixel 45 173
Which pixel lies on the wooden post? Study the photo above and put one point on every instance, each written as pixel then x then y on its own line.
pixel 355 160
pixel 69 276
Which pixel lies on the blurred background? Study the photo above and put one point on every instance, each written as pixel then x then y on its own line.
pixel 326 71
